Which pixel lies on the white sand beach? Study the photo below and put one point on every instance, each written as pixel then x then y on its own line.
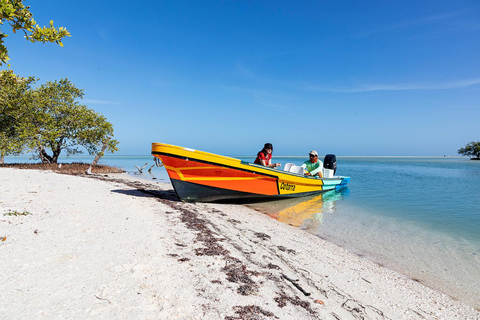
pixel 98 247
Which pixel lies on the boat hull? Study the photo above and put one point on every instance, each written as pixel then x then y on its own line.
pixel 206 177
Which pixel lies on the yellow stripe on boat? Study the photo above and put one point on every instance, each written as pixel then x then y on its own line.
pixel 202 176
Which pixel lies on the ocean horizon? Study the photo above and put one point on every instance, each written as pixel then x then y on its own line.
pixel 416 215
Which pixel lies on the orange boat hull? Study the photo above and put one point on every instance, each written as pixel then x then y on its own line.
pixel 202 176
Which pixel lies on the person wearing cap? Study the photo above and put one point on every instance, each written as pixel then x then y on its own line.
pixel 264 157
pixel 313 166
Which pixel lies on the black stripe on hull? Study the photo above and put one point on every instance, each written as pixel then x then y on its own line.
pixel 192 192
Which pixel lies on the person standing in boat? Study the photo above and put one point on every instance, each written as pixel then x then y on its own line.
pixel 264 157
pixel 313 167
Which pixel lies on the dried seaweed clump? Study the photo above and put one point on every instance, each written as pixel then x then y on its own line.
pixel 237 272
pixel 66 168
pixel 282 300
pixel 250 313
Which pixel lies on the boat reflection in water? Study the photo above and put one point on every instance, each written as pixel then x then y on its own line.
pixel 306 213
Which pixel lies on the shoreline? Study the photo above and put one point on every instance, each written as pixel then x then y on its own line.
pixel 430 258
pixel 129 248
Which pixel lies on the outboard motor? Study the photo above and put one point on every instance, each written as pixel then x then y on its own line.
pixel 330 162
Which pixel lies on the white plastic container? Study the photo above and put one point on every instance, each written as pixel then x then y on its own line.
pixel 327 173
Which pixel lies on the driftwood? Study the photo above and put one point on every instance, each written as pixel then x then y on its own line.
pixel 294 282
pixel 141 169
pixel 98 156
pixel 101 153
pixel 150 170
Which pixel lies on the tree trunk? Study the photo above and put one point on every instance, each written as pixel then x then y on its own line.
pixel 2 159
pixel 101 153
pixel 56 151
pixel 44 156
pixel 55 155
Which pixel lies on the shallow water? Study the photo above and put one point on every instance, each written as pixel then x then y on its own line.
pixel 419 216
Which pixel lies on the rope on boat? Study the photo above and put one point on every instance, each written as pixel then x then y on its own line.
pixel 158 162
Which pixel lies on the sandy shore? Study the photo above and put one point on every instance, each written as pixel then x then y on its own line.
pixel 116 248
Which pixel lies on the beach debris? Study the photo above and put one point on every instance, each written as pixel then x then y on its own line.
pixel 233 221
pixel 356 309
pixel 141 169
pixel 180 244
pixel 16 213
pixel 89 170
pixel 3 238
pixel 366 280
pixel 273 266
pixel 319 301
pixel 262 236
pixel 282 300
pixel 294 282
pixel 283 249
pixel 237 272
pixel 102 299
pixel 250 312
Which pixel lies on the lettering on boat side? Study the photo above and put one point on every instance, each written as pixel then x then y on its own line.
pixel 287 186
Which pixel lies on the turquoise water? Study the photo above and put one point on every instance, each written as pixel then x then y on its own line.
pixel 419 216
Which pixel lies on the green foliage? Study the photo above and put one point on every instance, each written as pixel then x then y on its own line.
pixel 16 213
pixel 15 95
pixel 49 118
pixel 472 149
pixel 59 123
pixel 15 13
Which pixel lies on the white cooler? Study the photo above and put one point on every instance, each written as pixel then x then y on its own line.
pixel 327 173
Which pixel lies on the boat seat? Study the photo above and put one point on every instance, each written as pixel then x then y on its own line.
pixel 288 166
pixel 297 169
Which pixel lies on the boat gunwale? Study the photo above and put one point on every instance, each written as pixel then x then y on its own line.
pixel 275 172
pixel 248 166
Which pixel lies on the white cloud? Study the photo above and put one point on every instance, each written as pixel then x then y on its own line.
pixel 445 23
pixel 399 87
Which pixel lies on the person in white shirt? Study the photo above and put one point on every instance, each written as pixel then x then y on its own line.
pixel 313 166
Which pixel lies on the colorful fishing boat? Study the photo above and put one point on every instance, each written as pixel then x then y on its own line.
pixel 207 177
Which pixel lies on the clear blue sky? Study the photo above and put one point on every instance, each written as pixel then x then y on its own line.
pixel 343 77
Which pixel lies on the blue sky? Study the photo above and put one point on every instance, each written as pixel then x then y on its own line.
pixel 345 77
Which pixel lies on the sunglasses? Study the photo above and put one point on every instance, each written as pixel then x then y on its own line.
pixel 313 156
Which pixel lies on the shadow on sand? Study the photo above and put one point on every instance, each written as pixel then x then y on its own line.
pixel 169 195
